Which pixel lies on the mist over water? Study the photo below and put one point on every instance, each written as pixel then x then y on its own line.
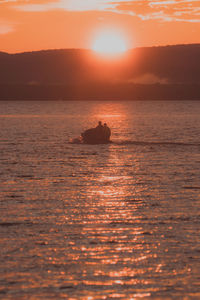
pixel 115 221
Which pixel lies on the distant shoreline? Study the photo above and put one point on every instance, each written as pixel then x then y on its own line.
pixel 103 92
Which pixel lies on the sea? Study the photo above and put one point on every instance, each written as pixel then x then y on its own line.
pixel 89 222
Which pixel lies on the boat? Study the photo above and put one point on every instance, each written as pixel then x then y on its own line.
pixel 98 135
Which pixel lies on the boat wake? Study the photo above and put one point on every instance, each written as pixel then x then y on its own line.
pixel 79 140
pixel 156 143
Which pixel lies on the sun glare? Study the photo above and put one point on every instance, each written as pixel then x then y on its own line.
pixel 109 43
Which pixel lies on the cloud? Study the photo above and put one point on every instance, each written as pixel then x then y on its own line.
pixel 163 10
pixel 5 27
pixel 167 11
pixel 6 1
pixel 70 5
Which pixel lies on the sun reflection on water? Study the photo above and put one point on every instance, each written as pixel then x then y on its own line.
pixel 114 249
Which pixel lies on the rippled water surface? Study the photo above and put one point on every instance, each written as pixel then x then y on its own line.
pixel 117 221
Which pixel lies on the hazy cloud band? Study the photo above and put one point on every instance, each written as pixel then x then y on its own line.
pixel 168 11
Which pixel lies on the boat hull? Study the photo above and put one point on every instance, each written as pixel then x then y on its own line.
pixel 94 136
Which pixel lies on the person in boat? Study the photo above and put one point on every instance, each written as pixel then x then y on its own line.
pixel 100 126
pixel 99 130
pixel 107 131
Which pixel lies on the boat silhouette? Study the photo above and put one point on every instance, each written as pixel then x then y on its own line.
pixel 98 135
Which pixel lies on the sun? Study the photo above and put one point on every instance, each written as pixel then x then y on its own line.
pixel 109 43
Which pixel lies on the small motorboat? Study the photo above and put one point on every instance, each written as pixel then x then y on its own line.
pixel 98 135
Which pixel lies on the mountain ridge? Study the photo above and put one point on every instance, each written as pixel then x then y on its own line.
pixel 171 67
pixel 177 64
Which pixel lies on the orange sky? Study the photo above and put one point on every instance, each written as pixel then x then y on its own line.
pixel 27 25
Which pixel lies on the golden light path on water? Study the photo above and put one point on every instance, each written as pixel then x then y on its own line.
pixel 116 221
pixel 112 223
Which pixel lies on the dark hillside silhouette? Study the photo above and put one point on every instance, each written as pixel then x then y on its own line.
pixel 161 71
pixel 177 64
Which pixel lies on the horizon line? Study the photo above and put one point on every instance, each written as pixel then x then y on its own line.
pixel 85 49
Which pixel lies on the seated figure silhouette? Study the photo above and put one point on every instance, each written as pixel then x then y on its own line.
pixel 99 127
pixel 107 131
